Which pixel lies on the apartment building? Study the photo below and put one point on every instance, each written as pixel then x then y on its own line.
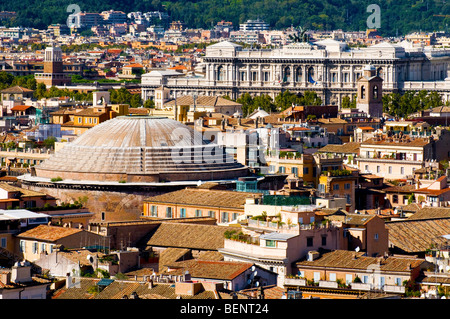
pixel 354 270
pixel 223 205
pixel 32 243
pixel 395 156
pixel 338 183
pixel 276 251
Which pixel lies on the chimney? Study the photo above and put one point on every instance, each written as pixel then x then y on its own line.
pixel 21 272
pixel 5 278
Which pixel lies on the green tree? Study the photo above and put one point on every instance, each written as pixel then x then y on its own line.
pixel 286 99
pixel 49 142
pixel 40 91
pixel 311 98
pixel 149 104
pixel 247 103
pixel 135 100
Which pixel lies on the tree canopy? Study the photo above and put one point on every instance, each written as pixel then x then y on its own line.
pixel 402 105
pixel 402 16
pixel 282 101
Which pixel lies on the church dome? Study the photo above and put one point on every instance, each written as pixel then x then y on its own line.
pixel 140 149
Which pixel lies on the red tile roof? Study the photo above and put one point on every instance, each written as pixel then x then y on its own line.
pixel 21 107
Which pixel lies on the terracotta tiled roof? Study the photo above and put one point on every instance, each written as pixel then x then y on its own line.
pixel 434 192
pixel 21 107
pixel 333 120
pixel 49 233
pixel 90 112
pixel 134 65
pixel 24 192
pixel 171 255
pixel 205 237
pixel 118 288
pixel 350 147
pixel 431 212
pixel 417 142
pixel 205 198
pixel 414 236
pixel 400 189
pixel 80 255
pixel 139 110
pixel 346 259
pixel 16 90
pixel 270 292
pixel 224 270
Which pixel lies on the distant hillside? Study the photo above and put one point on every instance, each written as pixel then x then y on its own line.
pixel 402 16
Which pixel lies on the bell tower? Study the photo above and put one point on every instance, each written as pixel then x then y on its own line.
pixel 53 68
pixel 370 92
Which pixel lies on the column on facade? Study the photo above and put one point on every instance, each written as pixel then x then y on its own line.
pixel 352 75
pixel 260 74
pixel 305 75
pixel 293 74
pixel 339 79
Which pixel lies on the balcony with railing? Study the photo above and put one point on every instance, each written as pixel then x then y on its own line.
pixel 292 280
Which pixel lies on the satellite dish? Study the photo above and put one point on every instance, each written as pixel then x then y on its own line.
pixel 357 249
pixel 249 281
pixel 257 284
pixel 255 273
pixel 253 268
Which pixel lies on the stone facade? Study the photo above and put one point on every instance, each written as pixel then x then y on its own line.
pixel 328 67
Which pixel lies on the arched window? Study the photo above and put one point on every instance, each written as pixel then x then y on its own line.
pixel 287 75
pixel 220 74
pixel 298 75
pixel 311 75
pixel 363 92
pixel 380 72
pixel 375 92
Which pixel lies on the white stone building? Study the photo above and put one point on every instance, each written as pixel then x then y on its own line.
pixel 328 67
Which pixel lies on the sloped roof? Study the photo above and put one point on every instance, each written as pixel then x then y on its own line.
pixel 118 288
pixel 414 236
pixel 23 191
pixel 225 270
pixel 430 213
pixel 16 90
pixel 346 259
pixel 21 107
pixel 205 198
pixel 192 236
pixel 49 233
pixel 350 147
pixel 80 255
